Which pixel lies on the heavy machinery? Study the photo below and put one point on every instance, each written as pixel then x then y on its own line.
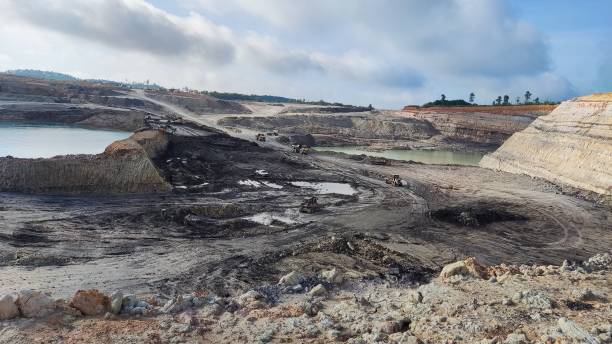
pixel 301 149
pixel 394 180
pixel 260 137
pixel 310 205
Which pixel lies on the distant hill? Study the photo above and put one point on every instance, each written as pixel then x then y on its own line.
pixel 266 98
pixel 48 75
pixel 41 74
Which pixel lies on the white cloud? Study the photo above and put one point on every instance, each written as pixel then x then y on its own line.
pixel 385 52
pixel 129 25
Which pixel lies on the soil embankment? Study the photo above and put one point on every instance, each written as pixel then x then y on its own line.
pixel 125 167
pixel 572 145
pixel 479 124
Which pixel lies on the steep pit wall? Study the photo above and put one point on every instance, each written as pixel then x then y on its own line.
pixel 340 129
pixel 89 115
pixel 124 167
pixel 572 145
pixel 479 124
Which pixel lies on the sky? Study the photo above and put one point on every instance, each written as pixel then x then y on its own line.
pixel 388 53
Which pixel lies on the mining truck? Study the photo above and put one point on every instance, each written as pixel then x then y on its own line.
pixel 394 180
pixel 300 149
pixel 260 137
pixel 310 205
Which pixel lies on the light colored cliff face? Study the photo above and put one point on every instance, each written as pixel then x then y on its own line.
pixel 124 167
pixel 348 126
pixel 480 124
pixel 572 145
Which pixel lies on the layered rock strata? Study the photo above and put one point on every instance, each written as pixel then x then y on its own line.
pixel 340 128
pixel 479 124
pixel 572 145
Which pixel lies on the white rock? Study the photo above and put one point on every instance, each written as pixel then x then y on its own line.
pixel 318 290
pixel 516 338
pixel 34 304
pixel 249 298
pixel 333 276
pixel 8 307
pixel 571 329
pixel 290 279
pixel 415 297
pixel 116 302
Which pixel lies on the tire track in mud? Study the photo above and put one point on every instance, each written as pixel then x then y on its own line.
pixel 417 204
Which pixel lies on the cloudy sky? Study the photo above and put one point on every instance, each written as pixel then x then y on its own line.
pixel 385 52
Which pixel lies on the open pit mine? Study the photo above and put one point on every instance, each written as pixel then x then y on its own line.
pixel 213 221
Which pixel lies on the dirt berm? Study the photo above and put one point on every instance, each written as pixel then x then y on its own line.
pixel 124 167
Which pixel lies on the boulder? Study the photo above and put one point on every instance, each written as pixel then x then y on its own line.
pixel 415 297
pixel 34 304
pixel 599 262
pixel 333 276
pixel 533 299
pixel 516 338
pixel 116 300
pixel 181 303
pixel 467 267
pixel 251 299
pixel 290 279
pixel 574 331
pixel 318 290
pixel 91 302
pixel 8 307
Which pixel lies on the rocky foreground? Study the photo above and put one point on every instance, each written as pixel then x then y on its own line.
pixel 467 303
pixel 572 145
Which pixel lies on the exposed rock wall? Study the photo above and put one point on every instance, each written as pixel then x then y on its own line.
pixel 340 126
pixel 124 167
pixel 480 124
pixel 572 145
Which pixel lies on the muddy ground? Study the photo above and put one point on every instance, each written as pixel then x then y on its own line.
pixel 233 222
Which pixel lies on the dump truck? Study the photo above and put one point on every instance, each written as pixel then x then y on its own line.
pixel 394 180
pixel 302 149
pixel 310 205
pixel 260 137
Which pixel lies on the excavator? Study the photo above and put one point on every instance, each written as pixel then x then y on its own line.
pixel 310 205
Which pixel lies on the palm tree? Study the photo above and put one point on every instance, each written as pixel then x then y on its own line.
pixel 472 96
pixel 506 99
pixel 498 100
pixel 443 97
